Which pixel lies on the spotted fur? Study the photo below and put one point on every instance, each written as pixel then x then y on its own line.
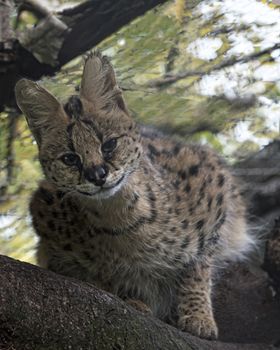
pixel 142 216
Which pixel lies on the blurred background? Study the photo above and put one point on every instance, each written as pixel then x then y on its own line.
pixel 205 71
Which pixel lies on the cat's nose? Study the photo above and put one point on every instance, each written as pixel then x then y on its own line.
pixel 97 174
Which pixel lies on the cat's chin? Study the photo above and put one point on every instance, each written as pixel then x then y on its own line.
pixel 105 192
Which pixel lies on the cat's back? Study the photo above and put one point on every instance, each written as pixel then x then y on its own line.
pixel 181 160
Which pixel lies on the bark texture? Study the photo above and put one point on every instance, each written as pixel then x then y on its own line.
pixel 43 310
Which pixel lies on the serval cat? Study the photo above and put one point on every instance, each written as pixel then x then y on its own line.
pixel 135 212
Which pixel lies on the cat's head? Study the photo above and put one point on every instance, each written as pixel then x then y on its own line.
pixel 91 144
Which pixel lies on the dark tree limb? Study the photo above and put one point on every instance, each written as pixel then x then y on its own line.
pixel 43 310
pixel 93 21
pixel 79 28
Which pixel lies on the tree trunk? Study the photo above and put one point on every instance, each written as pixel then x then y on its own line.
pixel 7 54
pixel 42 310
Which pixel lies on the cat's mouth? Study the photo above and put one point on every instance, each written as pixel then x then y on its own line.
pixel 114 185
pixel 103 189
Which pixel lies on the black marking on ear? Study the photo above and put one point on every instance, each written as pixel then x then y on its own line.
pixel 74 107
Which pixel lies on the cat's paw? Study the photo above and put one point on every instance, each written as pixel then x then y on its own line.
pixel 199 325
pixel 139 306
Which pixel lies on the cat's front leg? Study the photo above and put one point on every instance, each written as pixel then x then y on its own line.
pixel 194 303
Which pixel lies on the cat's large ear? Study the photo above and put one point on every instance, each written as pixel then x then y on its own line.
pixel 42 110
pixel 99 85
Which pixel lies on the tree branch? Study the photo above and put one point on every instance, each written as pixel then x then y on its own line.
pixel 42 310
pixel 172 78
pixel 73 31
pixel 93 21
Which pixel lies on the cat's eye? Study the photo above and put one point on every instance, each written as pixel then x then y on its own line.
pixel 70 159
pixel 109 145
